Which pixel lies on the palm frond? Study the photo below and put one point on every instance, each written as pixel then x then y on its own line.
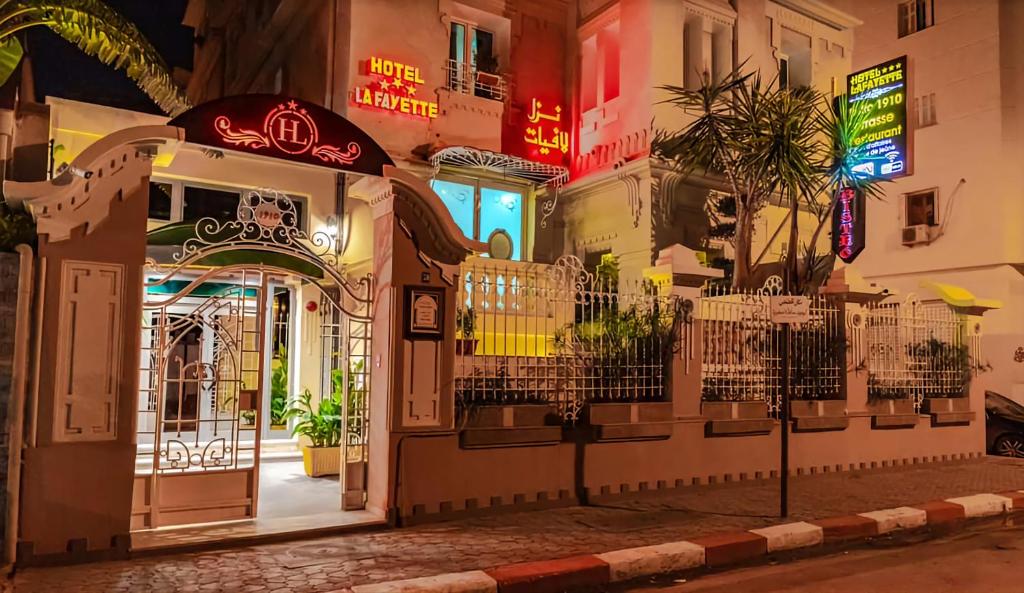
pixel 101 32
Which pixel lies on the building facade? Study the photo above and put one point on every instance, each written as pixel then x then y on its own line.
pixel 401 209
pixel 954 218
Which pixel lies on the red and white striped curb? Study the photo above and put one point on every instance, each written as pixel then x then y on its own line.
pixel 554 576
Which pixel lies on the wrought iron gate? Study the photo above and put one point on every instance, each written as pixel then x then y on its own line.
pixel 204 344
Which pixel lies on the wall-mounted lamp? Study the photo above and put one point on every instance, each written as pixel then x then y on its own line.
pixel 340 235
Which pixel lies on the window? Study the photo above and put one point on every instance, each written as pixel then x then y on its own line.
pixel 794 59
pixel 600 67
pixel 174 201
pixel 783 73
pixel 473 61
pixel 925 107
pixel 915 15
pixel 481 209
pixel 921 208
pixel 160 201
pixel 202 202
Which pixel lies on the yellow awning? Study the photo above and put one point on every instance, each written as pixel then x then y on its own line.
pixel 958 296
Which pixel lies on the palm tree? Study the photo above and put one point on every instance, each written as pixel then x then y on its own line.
pixel 98 31
pixel 767 143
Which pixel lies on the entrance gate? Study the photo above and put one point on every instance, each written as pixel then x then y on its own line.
pixel 206 334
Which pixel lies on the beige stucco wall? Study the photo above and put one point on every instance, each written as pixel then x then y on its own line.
pixel 971 59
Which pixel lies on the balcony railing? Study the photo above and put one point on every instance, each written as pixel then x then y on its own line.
pixel 463 77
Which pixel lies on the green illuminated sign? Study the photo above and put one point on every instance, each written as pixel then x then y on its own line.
pixel 880 93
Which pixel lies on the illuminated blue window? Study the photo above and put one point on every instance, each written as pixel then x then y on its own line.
pixel 502 210
pixel 458 197
pixel 480 211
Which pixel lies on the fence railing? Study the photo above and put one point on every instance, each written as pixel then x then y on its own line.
pixel 742 349
pixel 465 78
pixel 917 350
pixel 559 335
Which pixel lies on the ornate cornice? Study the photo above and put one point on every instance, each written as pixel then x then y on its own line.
pixel 111 168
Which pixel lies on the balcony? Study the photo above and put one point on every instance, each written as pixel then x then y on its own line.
pixel 465 78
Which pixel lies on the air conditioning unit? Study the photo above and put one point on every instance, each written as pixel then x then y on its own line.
pixel 917 234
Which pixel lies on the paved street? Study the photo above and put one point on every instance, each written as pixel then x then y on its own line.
pixel 987 560
pixel 329 564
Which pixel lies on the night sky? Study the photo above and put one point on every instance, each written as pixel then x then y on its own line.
pixel 61 70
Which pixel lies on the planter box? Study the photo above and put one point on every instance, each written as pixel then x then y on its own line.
pixel 511 426
pixel 948 411
pixel 523 415
pixel 636 421
pixel 736 418
pixel 818 415
pixel 465 346
pixel 321 461
pixel 892 413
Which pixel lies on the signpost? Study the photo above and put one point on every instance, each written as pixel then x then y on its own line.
pixel 880 93
pixel 786 310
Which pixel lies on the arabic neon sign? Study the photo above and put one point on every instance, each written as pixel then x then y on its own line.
pixel 546 139
pixel 394 87
pixel 290 129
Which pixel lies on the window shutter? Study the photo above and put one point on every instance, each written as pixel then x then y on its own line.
pixel 903 18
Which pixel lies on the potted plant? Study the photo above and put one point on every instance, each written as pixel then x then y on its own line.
pixel 465 322
pixel 487 78
pixel 279 393
pixel 322 426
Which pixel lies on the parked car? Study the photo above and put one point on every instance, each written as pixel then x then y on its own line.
pixel 1004 425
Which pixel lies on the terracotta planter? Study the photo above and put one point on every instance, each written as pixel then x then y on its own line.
pixel 321 461
pixel 948 411
pixel 736 418
pixel 818 415
pixel 892 413
pixel 510 426
pixel 636 421
pixel 510 416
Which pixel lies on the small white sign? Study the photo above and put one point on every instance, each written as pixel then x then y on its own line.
pixel 790 309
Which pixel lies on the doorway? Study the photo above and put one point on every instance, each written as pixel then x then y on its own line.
pixel 221 367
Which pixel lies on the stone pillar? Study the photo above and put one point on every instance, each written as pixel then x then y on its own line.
pixel 79 461
pixel 678 272
pixel 417 252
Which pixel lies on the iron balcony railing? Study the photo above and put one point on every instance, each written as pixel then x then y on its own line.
pixel 465 78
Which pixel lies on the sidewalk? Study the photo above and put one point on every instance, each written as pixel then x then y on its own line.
pixel 330 564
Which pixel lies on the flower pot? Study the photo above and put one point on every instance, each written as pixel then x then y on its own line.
pixel 321 461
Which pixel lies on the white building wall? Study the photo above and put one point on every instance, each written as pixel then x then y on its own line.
pixel 971 60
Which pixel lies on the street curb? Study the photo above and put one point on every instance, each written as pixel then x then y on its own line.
pixel 712 551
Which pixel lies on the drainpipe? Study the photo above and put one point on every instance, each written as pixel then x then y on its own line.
pixel 16 405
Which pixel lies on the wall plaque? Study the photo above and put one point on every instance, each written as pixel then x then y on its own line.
pixel 424 308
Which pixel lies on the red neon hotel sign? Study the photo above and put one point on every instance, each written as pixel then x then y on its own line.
pixel 394 87
pixel 290 129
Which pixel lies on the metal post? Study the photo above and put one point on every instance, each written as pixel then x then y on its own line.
pixel 784 417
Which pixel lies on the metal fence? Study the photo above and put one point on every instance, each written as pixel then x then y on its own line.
pixel 559 335
pixel 917 350
pixel 742 349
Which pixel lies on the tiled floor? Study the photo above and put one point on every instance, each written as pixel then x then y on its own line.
pixel 333 563
pixel 289 501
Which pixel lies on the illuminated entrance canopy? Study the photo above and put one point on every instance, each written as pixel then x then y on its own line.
pixel 285 128
pixel 395 87
pixel 880 94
